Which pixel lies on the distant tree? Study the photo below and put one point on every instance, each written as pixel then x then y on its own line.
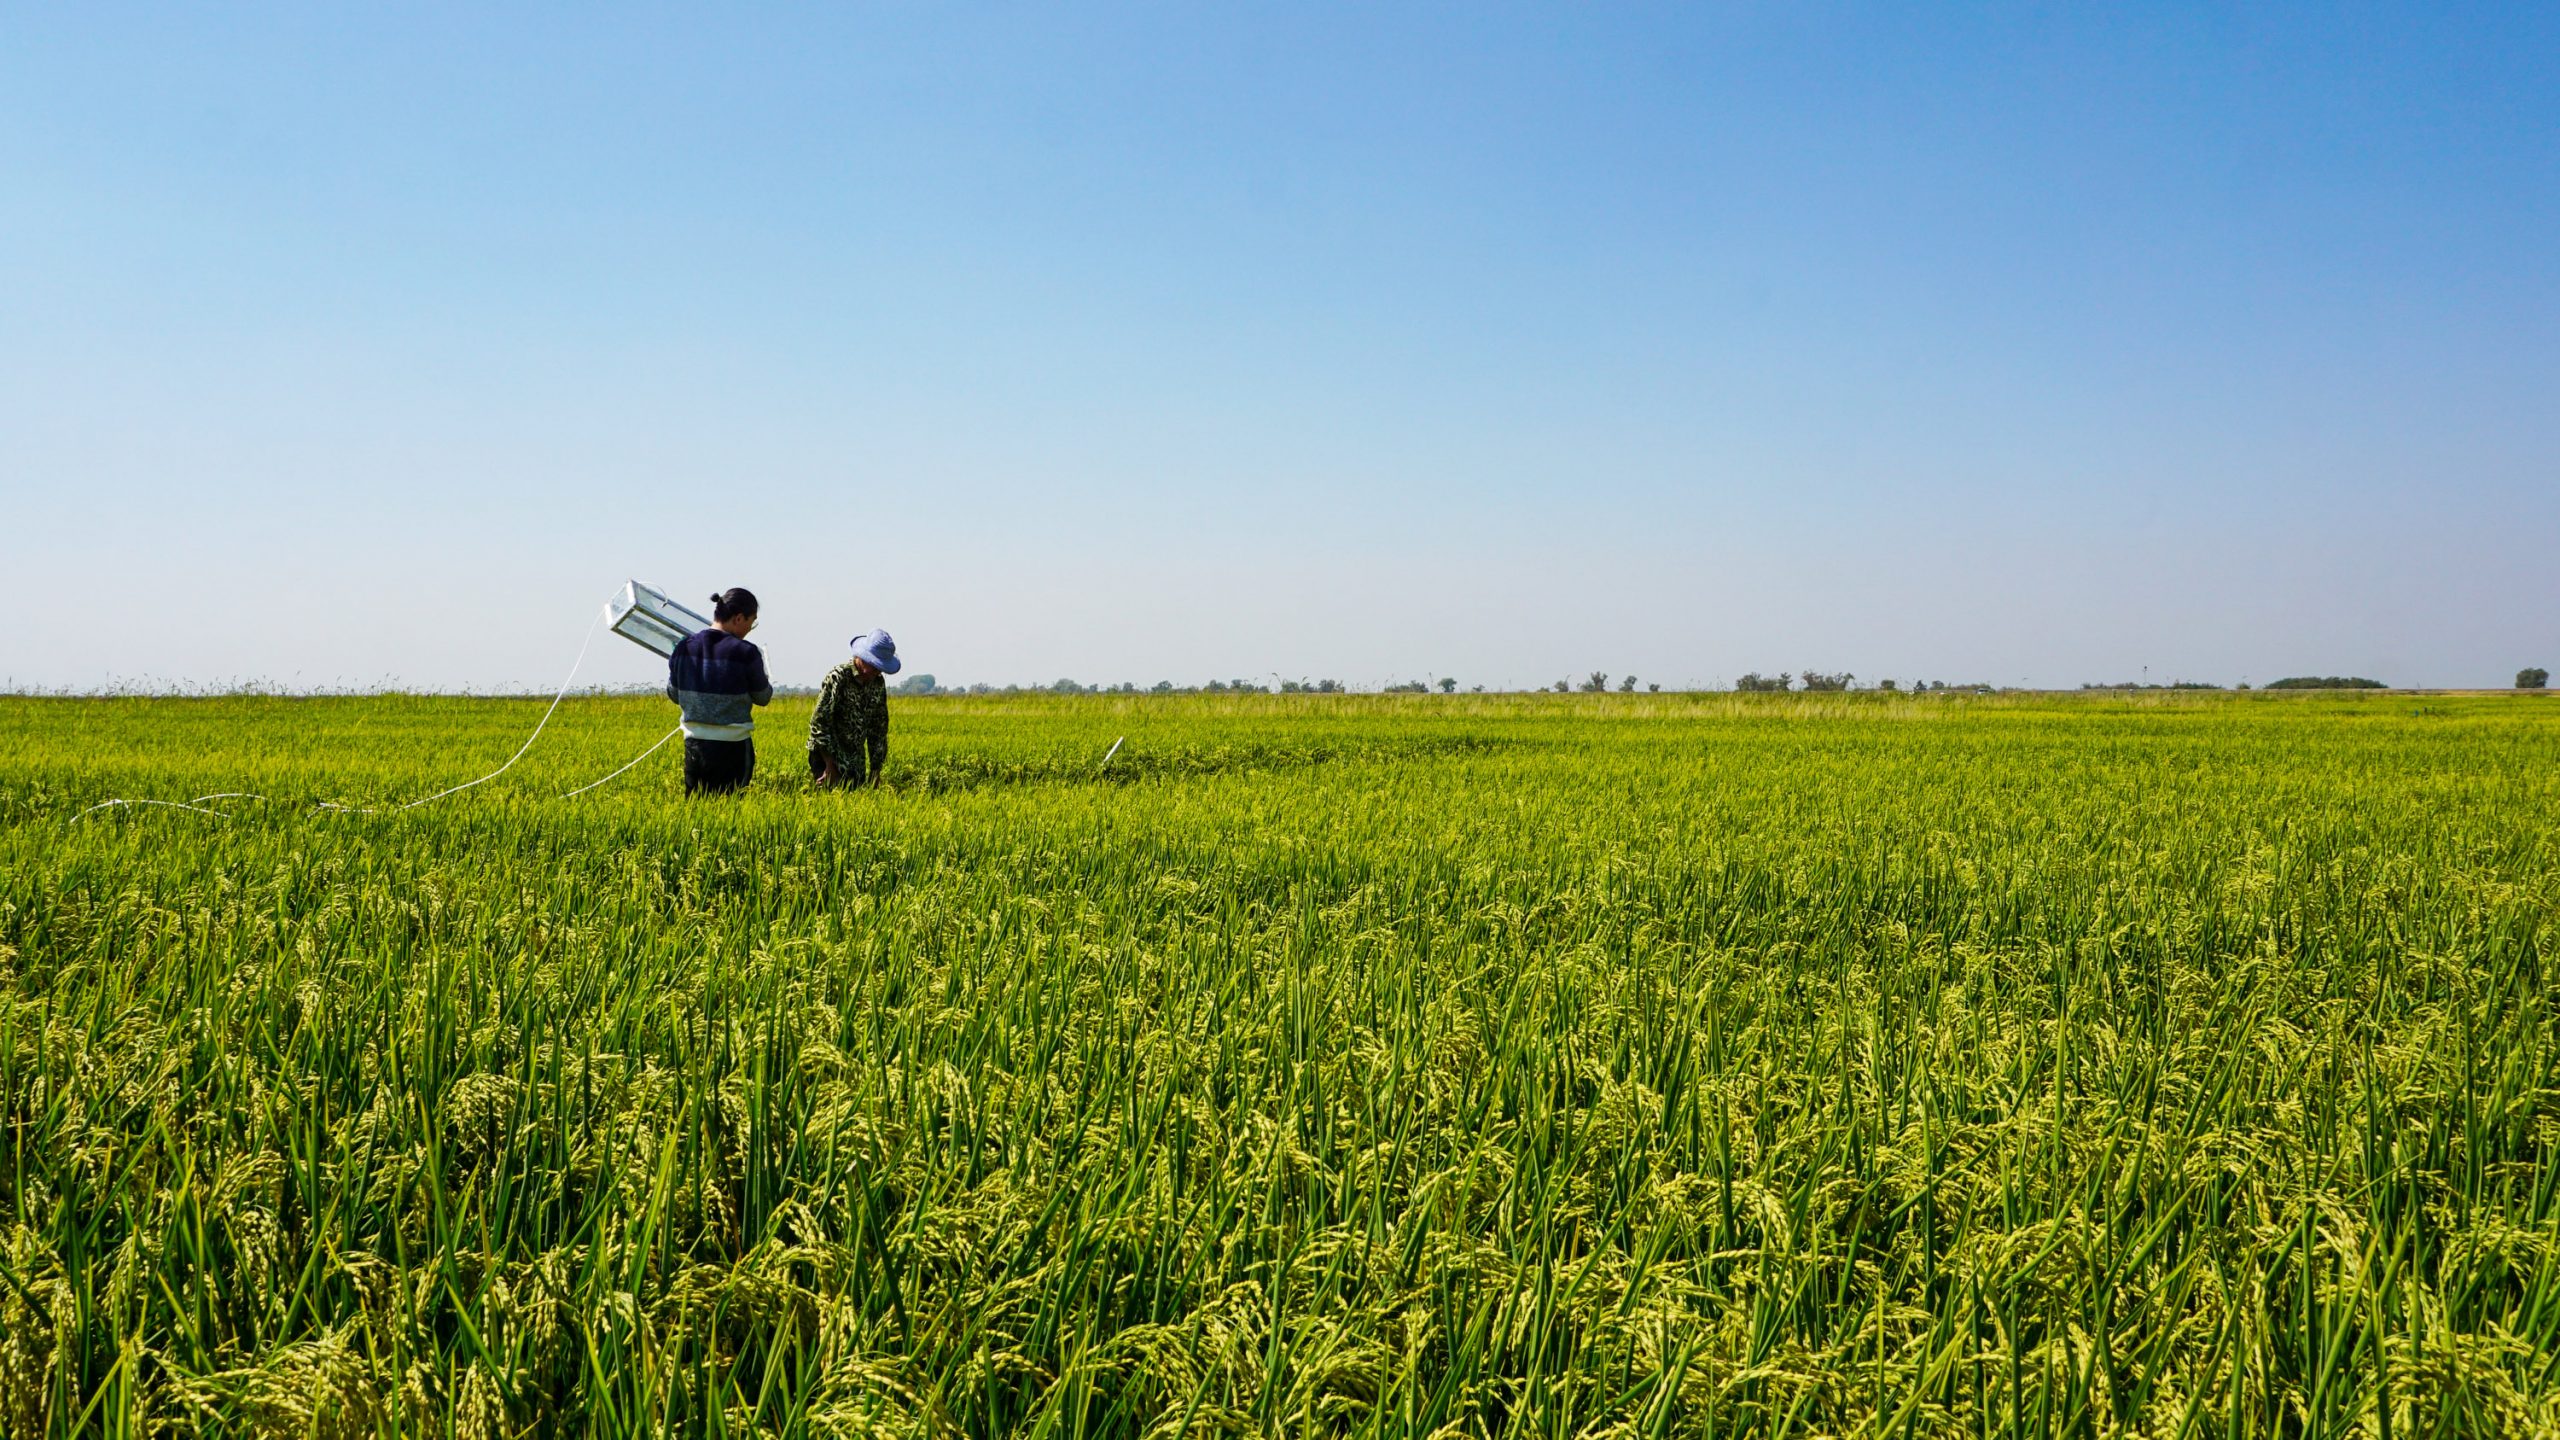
pixel 2326 682
pixel 1164 687
pixel 1627 686
pixel 2149 685
pixel 916 685
pixel 1067 687
pixel 1562 687
pixel 1889 685
pixel 1407 687
pixel 1757 683
pixel 1448 685
pixel 2532 677
pixel 1328 687
pixel 1817 680
pixel 1652 688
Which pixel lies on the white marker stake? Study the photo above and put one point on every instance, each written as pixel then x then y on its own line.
pixel 1106 758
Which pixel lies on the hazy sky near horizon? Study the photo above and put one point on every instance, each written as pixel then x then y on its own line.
pixel 2006 343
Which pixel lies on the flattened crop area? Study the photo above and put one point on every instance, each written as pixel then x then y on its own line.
pixel 1644 1065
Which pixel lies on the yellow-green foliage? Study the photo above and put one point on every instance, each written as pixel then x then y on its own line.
pixel 1563 1066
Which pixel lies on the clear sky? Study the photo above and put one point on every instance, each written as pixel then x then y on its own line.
pixel 2022 344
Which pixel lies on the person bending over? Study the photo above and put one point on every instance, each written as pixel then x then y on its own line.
pixel 849 731
pixel 718 679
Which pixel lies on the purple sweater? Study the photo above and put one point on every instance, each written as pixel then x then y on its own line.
pixel 717 679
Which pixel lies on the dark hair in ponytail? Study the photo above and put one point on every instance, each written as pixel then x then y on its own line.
pixel 737 600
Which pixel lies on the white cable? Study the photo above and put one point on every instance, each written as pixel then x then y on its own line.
pixel 636 759
pixel 333 805
pixel 601 612
pixel 197 804
pixel 164 804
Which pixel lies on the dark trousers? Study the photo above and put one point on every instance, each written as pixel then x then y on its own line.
pixel 713 767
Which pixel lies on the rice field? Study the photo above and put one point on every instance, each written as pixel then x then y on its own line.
pixel 1345 1066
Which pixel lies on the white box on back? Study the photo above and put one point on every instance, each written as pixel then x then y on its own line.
pixel 647 618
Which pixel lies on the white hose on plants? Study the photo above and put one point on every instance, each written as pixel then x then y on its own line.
pixel 197 807
pixel 164 804
pixel 601 612
pixel 636 759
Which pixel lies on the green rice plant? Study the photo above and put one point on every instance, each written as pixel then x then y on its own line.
pixel 1586 1065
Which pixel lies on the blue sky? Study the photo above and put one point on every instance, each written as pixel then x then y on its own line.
pixel 2022 344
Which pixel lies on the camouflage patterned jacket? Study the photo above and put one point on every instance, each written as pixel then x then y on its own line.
pixel 851 723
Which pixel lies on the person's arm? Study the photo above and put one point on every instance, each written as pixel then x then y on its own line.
pixel 762 693
pixel 875 737
pixel 852 766
pixel 825 707
pixel 822 727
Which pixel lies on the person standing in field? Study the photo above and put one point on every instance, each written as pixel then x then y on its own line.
pixel 849 731
pixel 717 679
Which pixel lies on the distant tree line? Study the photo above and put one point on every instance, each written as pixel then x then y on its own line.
pixel 1828 681
pixel 2533 677
pixel 2148 685
pixel 1131 687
